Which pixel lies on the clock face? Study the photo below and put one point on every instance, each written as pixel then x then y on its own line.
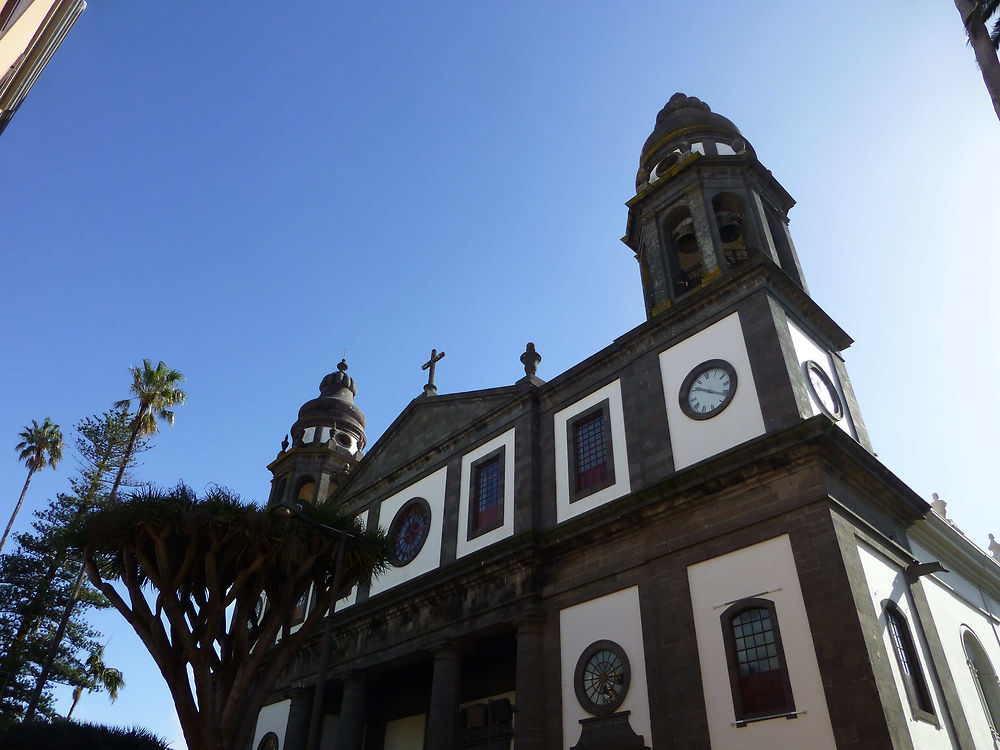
pixel 409 530
pixel 708 389
pixel 823 390
pixel 602 677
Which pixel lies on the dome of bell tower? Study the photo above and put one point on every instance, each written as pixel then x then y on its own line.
pixel 332 413
pixel 687 124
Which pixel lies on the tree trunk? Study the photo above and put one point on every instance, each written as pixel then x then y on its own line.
pixel 47 666
pixel 128 455
pixel 77 692
pixel 16 508
pixel 12 662
pixel 982 47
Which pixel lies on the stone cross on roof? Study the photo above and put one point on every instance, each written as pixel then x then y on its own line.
pixel 430 389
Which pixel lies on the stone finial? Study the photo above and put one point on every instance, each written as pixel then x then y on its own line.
pixel 994 548
pixel 938 505
pixel 530 359
pixel 284 444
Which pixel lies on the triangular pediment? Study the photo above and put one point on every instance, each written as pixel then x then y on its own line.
pixel 423 425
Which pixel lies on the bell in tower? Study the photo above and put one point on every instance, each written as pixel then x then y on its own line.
pixel 704 205
pixel 327 440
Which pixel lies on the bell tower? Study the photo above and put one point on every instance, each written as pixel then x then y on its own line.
pixel 704 204
pixel 327 440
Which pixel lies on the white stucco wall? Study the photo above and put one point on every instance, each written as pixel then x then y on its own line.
pixel 464 544
pixel 15 42
pixel 693 440
pixel 807 349
pixel 765 571
pixel 615 617
pixel 405 734
pixel 272 718
pixel 885 582
pixel 431 489
pixel 564 508
pixel 955 604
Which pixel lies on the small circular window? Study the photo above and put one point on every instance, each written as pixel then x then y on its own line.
pixel 602 677
pixel 408 531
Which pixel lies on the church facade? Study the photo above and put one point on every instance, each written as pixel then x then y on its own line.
pixel 685 541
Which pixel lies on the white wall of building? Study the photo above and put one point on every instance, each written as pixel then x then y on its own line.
pixel 431 489
pixel 465 545
pixel 956 604
pixel 885 582
pixel 806 349
pixel 15 42
pixel 564 508
pixel 405 734
pixel 615 617
pixel 764 571
pixel 693 440
pixel 272 718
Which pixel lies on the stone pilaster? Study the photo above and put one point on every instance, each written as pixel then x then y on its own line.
pixel 529 724
pixel 297 727
pixel 351 726
pixel 442 720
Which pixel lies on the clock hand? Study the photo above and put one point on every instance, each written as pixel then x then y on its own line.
pixel 706 390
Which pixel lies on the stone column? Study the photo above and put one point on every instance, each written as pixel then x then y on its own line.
pixel 442 720
pixel 297 727
pixel 351 725
pixel 529 684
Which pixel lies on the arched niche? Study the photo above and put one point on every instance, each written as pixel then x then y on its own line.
pixel 730 215
pixel 683 255
pixel 306 490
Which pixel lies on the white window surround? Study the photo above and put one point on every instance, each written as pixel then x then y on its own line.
pixel 465 545
pixel 565 510
pixel 430 488
pixel 806 349
pixel 695 440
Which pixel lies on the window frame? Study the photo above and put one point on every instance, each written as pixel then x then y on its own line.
pixel 742 716
pixel 499 455
pixel 971 640
pixel 579 674
pixel 603 408
pixel 910 678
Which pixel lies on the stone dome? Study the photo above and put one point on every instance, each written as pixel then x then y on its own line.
pixel 334 407
pixel 685 119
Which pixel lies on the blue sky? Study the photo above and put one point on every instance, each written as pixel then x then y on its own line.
pixel 245 191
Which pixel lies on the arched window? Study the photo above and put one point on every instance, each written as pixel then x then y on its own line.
pixel 756 658
pixel 909 663
pixel 730 219
pixel 307 490
pixel 686 269
pixel 985 678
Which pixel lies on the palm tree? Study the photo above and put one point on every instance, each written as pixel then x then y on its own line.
pixel 975 14
pixel 40 444
pixel 156 391
pixel 95 676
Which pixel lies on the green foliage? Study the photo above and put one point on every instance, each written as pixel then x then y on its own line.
pixel 40 444
pixel 37 579
pixel 990 9
pixel 156 390
pixel 211 583
pixel 68 735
